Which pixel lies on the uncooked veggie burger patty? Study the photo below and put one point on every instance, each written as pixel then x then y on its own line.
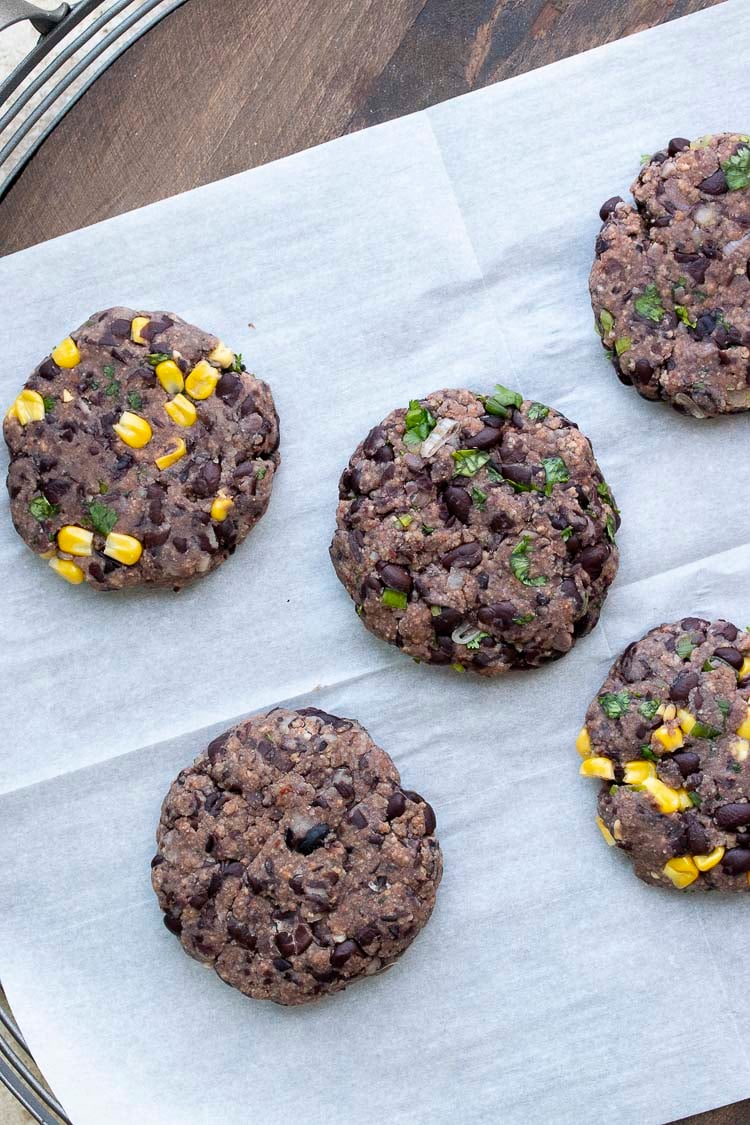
pixel 141 452
pixel 669 734
pixel 670 286
pixel 291 859
pixel 476 531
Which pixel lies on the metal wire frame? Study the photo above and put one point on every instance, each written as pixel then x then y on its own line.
pixel 48 112
pixel 21 1082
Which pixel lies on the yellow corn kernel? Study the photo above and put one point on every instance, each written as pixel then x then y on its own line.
pixel 661 709
pixel 168 459
pixel 684 798
pixel 739 748
pixel 181 411
pixel 745 669
pixel 202 380
pixel 670 712
pixel 50 554
pixel 133 430
pixel 75 540
pixel 67 396
pixel 686 720
pixel 605 832
pixel 220 507
pixel 66 354
pixel 222 355
pixel 667 799
pixel 670 738
pixel 28 407
pixel 637 772
pixel 124 548
pixel 583 743
pixel 598 767
pixel 170 376
pixel 743 730
pixel 67 570
pixel 137 324
pixel 681 871
pixel 706 862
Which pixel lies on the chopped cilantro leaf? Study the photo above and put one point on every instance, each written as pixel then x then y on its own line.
pixel 648 754
pixel 155 358
pixel 396 599
pixel 237 364
pixel 556 472
pixel 260 473
pixel 611 528
pixel 649 708
pixel 435 610
pixel 614 704
pixel 684 646
pixel 469 461
pixel 427 529
pixel 113 386
pixel 497 478
pixel 724 706
pixel 405 520
pixel 624 344
pixel 737 169
pixel 520 564
pixel 458 667
pixel 648 304
pixel 735 767
pixel 566 533
pixel 684 316
pixel 476 640
pixel 538 411
pixel 103 518
pixel 419 424
pixel 49 404
pixel 695 799
pixel 704 730
pixel 606 320
pixel 135 402
pixel 523 618
pixel 103 488
pixel 603 490
pixel 41 509
pixel 708 666
pixel 502 400
pixel 479 498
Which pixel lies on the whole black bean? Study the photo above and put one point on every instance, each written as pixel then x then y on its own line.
pixel 446 621
pixel 593 558
pixel 642 372
pixel 730 656
pixel 374 440
pixel 357 818
pixel 734 815
pixel 736 861
pixel 486 438
pixel 458 502
pixel 677 144
pixel 607 208
pixel 696 835
pixel 715 184
pixel 521 474
pixel 48 369
pixel 396 577
pixel 228 387
pixel 430 820
pixel 173 924
pixel 311 840
pixel 691 623
pixel 682 685
pixel 155 538
pixel 384 455
pixel 687 762
pixel 281 964
pixel 728 630
pixel 704 326
pixel 396 806
pixel 156 326
pixel 468 555
pixel 55 489
pixel 248 406
pixel 240 933
pixel 569 589
pixel 342 952
pixel 367 935
pixel 497 614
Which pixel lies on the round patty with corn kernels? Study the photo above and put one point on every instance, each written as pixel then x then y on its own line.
pixel 670 285
pixel 291 859
pixel 476 531
pixel 669 734
pixel 141 452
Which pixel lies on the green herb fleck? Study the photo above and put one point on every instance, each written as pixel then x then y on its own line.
pixel 103 488
pixel 724 706
pixel 49 404
pixel 135 402
pixel 681 283
pixel 103 518
pixel 395 599
pixel 708 666
pixel 360 609
pixel 260 473
pixel 649 708
pixel 538 411
pixel 603 490
pixel 520 564
pixel 523 619
pixel 611 528
pixel 419 424
pixel 684 316
pixel 606 320
pixel 479 498
pixel 694 799
pixel 237 363
pixel 435 610
pixel 497 478
pixel 704 730
pixel 648 754
pixel 469 461
pixel 41 509
pixel 501 401
pixel 458 667
pixel 476 640
pixel 735 767
pixel 155 358
pixel 613 790
pixel 566 533
pixel 737 169
pixel 624 344
pixel 684 646
pixel 427 529
pixel 614 704
pixel 556 472
pixel 113 386
pixel 405 520
pixel 648 304
pixel 645 157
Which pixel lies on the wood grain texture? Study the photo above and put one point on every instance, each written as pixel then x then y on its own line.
pixel 224 85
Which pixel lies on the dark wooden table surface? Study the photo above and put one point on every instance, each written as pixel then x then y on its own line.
pixel 224 85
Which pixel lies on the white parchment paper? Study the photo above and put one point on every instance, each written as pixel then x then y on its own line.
pixel 449 248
